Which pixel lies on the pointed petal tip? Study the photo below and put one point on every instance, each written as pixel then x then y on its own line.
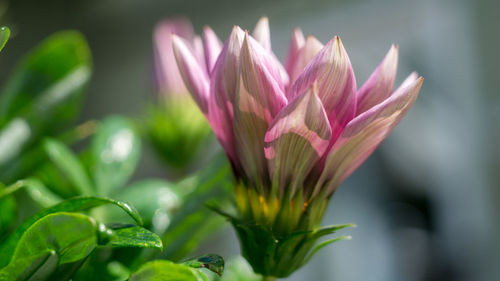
pixel 263 20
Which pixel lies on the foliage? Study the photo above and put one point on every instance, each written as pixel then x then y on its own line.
pixel 69 214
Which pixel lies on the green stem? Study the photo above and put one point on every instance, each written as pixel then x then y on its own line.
pixel 12 188
pixel 269 278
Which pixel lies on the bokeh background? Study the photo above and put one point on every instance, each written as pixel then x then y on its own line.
pixel 427 203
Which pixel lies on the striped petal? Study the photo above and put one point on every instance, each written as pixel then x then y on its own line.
pixel 212 47
pixel 262 34
pixel 296 140
pixel 193 74
pixel 310 49
pixel 380 84
pixel 223 86
pixel 297 41
pixel 364 133
pixel 260 97
pixel 168 78
pixel 332 71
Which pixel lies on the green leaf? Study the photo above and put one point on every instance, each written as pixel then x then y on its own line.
pixel 127 235
pixel 48 83
pixel 153 198
pixel 116 149
pixel 41 96
pixel 57 238
pixel 163 270
pixel 70 205
pixel 4 36
pixel 39 193
pixel 193 222
pixel 7 211
pixel 36 190
pixel 211 262
pixel 70 166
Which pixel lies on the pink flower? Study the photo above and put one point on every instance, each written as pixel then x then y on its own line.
pixel 299 128
pixel 168 78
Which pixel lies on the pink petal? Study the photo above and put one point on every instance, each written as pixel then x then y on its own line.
pixel 364 133
pixel 297 41
pixel 310 49
pixel 332 71
pixel 262 34
pixel 212 47
pixel 194 76
pixel 260 97
pixel 224 82
pixel 168 78
pixel 296 140
pixel 380 84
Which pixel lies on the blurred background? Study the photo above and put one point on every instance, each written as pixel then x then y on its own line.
pixel 427 203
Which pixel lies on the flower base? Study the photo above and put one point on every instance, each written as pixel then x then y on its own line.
pixel 275 255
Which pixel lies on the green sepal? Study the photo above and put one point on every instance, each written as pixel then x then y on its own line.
pixel 275 255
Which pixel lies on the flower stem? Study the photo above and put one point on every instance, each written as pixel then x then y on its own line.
pixel 269 278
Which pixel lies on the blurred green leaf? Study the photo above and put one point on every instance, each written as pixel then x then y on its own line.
pixel 7 212
pixel 35 189
pixel 4 36
pixel 153 198
pixel 57 238
pixel 193 222
pixel 211 262
pixel 34 158
pixel 163 270
pixel 48 82
pixel 70 205
pixel 116 150
pixel 70 166
pixel 39 193
pixel 127 235
pixel 42 95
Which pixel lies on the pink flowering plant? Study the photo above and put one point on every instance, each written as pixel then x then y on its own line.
pixel 293 133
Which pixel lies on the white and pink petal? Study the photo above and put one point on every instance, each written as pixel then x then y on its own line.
pixel 332 71
pixel 380 84
pixel 194 75
pixel 295 142
pixel 363 135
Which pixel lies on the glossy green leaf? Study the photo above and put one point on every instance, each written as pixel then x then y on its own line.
pixel 48 83
pixel 127 235
pixel 163 270
pixel 69 164
pixel 212 262
pixel 4 36
pixel 116 149
pixel 71 205
pixel 57 238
